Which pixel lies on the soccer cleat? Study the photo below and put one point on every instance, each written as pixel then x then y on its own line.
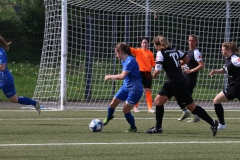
pixel 131 130
pixel 222 126
pixel 38 108
pixel 150 110
pixel 184 116
pixel 214 128
pixel 136 110
pixel 106 120
pixel 195 119
pixel 154 130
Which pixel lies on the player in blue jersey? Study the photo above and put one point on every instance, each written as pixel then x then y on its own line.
pixel 131 91
pixel 232 68
pixel 169 59
pixel 7 81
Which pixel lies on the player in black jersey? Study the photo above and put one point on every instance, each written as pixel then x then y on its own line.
pixel 232 68
pixel 190 72
pixel 169 59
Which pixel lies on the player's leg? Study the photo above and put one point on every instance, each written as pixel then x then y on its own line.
pixel 159 101
pixel 119 97
pixel 185 113
pixel 10 92
pixel 217 101
pixel 196 118
pixel 184 97
pixel 195 109
pixel 132 99
pixel 147 83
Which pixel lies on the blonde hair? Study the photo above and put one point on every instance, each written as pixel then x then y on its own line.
pixel 4 43
pixel 194 36
pixel 161 42
pixel 231 46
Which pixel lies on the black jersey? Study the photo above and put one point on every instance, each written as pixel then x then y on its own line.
pixel 170 60
pixel 194 57
pixel 232 67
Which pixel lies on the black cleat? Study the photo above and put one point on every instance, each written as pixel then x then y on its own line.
pixel 154 130
pixel 214 128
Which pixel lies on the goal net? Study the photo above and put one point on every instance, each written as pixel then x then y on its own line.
pixel 94 27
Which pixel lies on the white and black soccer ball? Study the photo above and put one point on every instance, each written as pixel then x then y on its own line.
pixel 96 125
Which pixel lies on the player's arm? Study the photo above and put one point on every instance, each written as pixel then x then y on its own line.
pixel 157 70
pixel 2 67
pixel 117 77
pixel 158 65
pixel 134 51
pixel 217 71
pixel 184 58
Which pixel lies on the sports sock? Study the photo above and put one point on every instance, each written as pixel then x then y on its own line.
pixel 129 117
pixel 220 112
pixel 159 116
pixel 110 112
pixel 203 115
pixel 26 101
pixel 149 99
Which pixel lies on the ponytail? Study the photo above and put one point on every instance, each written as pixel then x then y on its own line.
pixel 4 43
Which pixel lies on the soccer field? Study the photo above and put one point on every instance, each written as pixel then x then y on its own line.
pixel 65 135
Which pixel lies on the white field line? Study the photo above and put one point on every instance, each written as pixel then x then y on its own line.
pixel 117 110
pixel 121 143
pixel 70 119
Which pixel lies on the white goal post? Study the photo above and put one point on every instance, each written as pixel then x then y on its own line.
pixel 81 35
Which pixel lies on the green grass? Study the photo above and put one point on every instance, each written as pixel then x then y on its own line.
pixel 65 135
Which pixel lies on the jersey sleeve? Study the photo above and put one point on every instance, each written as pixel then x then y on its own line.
pixel 159 58
pixel 2 58
pixel 236 61
pixel 197 55
pixel 181 54
pixel 129 65
pixel 134 51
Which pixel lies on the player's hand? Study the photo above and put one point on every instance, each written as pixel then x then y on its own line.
pixel 187 71
pixel 107 78
pixel 212 72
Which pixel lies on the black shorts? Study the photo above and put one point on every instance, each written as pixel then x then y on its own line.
pixel 191 88
pixel 232 92
pixel 180 91
pixel 146 79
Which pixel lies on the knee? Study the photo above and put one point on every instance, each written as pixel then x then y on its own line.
pixel 215 101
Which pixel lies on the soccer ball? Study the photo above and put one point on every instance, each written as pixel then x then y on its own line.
pixel 96 125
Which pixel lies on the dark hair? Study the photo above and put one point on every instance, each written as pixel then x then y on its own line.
pixel 231 46
pixel 4 43
pixel 145 39
pixel 123 47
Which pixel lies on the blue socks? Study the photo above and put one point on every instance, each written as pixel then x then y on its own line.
pixel 110 112
pixel 130 120
pixel 26 101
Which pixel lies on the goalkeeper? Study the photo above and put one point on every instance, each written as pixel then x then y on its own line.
pixel 146 62
pixel 7 81
pixel 131 90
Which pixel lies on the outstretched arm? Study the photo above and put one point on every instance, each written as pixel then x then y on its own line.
pixel 116 77
pixel 217 71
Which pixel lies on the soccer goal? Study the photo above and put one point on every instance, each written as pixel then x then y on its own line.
pixel 81 35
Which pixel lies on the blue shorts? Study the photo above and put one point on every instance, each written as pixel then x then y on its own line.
pixel 132 97
pixel 9 90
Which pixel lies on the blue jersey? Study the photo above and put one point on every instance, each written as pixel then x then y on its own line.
pixel 5 76
pixel 133 80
